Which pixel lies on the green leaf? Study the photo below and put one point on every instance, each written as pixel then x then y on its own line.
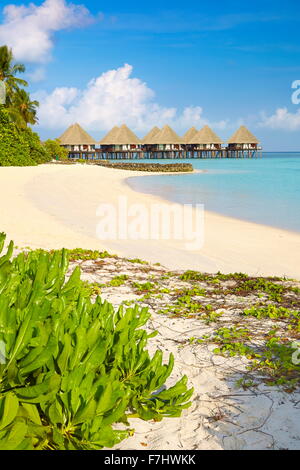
pixel 8 255
pixel 42 359
pixel 55 413
pixel 41 392
pixel 15 438
pixel 23 336
pixel 9 405
pixel 65 354
pixel 31 412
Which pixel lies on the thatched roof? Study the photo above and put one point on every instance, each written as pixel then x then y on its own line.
pixel 189 135
pixel 243 136
pixel 110 137
pixel 75 135
pixel 148 138
pixel 166 136
pixel 124 136
pixel 206 136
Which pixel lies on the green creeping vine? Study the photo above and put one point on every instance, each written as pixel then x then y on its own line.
pixel 84 255
pixel 70 368
pixel 273 312
pixel 271 287
pixel 274 359
pixel 118 280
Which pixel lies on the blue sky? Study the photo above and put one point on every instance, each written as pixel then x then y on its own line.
pixel 221 63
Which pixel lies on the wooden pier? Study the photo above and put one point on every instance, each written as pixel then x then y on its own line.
pixel 166 155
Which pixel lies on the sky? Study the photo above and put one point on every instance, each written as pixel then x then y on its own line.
pixel 192 63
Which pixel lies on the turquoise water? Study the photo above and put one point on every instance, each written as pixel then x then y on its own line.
pixel 264 190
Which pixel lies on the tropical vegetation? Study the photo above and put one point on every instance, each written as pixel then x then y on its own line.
pixel 21 109
pixel 55 150
pixel 8 72
pixel 20 146
pixel 71 368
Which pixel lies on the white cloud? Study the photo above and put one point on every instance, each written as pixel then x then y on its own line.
pixel 281 120
pixel 29 30
pixel 112 99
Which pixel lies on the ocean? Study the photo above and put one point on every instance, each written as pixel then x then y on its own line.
pixel 262 190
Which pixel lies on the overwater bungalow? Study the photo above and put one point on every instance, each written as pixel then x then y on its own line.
pixel 121 143
pixel 166 144
pixel 78 142
pixel 188 136
pixel 107 143
pixel 206 143
pixel 243 144
pixel 147 146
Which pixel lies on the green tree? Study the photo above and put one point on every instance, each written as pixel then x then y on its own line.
pixel 55 150
pixel 38 152
pixel 8 72
pixel 22 110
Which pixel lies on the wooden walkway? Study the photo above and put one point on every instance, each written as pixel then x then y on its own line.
pixel 99 154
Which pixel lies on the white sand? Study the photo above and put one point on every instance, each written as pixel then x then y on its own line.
pixel 52 206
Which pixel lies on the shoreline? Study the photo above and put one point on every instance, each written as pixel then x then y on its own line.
pixel 215 213
pixel 210 213
pixel 53 206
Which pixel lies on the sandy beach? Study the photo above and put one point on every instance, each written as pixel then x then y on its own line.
pixel 54 206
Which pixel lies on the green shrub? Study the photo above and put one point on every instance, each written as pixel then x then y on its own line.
pixel 38 152
pixel 55 150
pixel 19 147
pixel 14 149
pixel 72 367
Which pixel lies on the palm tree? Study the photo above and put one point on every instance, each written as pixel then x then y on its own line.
pixel 8 72
pixel 22 110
